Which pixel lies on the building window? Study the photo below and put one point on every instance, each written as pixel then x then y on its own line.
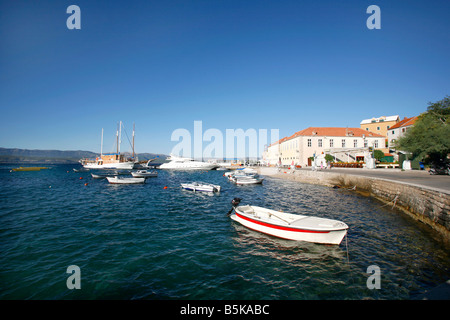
pixel 355 143
pixel 309 143
pixel 367 129
pixel 378 128
pixel 365 143
pixel 376 144
pixel 320 143
pixel 343 143
pixel 331 143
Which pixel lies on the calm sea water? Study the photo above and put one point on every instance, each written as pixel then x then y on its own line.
pixel 147 242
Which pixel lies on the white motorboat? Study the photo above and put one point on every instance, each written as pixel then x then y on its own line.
pixel 144 174
pixel 289 226
pixel 241 177
pixel 117 180
pixel 182 163
pixel 147 165
pixel 100 176
pixel 247 180
pixel 247 171
pixel 201 186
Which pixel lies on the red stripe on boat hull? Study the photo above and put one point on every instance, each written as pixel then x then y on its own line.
pixel 274 226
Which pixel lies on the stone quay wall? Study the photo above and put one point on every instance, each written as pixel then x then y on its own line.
pixel 427 205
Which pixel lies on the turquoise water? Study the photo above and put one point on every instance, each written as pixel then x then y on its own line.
pixel 147 242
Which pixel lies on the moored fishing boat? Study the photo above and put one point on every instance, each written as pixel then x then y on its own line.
pixel 289 226
pixel 144 174
pixel 247 179
pixel 102 175
pixel 117 180
pixel 201 186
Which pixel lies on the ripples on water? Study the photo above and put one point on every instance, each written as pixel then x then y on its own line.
pixel 147 242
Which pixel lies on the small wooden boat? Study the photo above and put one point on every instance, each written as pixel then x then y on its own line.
pixel 201 186
pixel 117 180
pixel 144 174
pixel 289 226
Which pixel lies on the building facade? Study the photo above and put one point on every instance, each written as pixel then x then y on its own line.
pixel 379 125
pixel 345 144
pixel 397 130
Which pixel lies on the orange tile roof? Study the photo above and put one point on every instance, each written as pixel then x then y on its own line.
pixel 335 132
pixel 331 132
pixel 404 123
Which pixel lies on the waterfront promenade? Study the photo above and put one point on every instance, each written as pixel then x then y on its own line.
pixel 419 178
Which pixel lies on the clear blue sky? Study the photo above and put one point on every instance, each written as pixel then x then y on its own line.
pixel 232 64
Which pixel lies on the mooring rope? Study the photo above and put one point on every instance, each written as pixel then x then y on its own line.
pixel 393 200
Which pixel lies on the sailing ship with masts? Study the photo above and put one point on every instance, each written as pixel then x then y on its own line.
pixel 112 160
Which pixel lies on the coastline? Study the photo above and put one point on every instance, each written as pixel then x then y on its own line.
pixel 421 196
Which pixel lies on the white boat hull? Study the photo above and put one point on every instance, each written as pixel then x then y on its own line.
pixel 144 174
pixel 291 227
pixel 201 187
pixel 248 181
pixel 188 166
pixel 119 165
pixel 181 163
pixel 116 180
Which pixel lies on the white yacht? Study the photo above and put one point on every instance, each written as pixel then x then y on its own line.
pixel 182 163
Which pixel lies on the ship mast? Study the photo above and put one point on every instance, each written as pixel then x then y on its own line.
pixel 117 139
pixel 120 137
pixel 133 140
pixel 101 146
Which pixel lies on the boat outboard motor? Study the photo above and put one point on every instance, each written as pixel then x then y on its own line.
pixel 235 202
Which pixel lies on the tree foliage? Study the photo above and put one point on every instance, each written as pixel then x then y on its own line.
pixel 378 154
pixel 430 135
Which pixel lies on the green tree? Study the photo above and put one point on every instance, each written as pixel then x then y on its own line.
pixel 378 154
pixel 329 157
pixel 430 135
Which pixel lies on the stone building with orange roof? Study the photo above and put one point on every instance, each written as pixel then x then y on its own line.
pixel 399 129
pixel 345 144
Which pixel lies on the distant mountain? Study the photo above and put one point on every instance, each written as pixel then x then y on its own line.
pixel 58 156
